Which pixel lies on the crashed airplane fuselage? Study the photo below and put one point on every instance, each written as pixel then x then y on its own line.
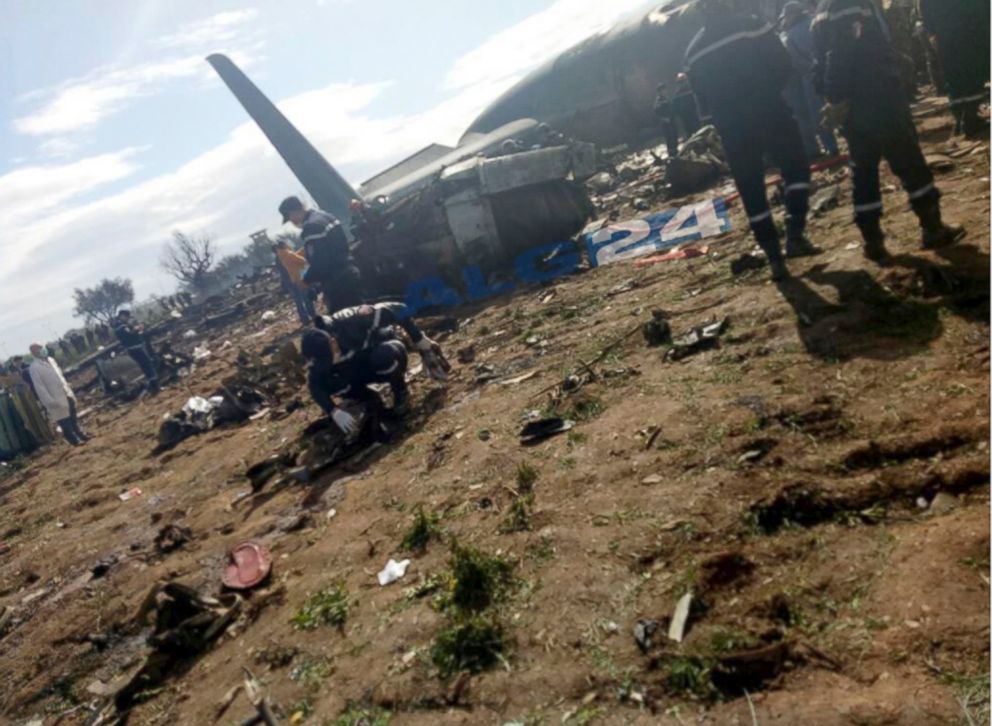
pixel 478 206
pixel 603 89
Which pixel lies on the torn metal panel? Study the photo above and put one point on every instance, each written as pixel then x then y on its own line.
pixel 534 167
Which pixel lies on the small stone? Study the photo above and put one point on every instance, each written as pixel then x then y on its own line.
pixel 652 480
pixel 943 503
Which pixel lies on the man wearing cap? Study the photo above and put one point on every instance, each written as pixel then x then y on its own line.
pixel 132 337
pixel 55 395
pixel 325 246
pixel 738 67
pixel 859 75
pixel 358 346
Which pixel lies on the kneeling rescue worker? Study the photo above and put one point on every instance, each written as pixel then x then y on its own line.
pixel 858 73
pixel 357 346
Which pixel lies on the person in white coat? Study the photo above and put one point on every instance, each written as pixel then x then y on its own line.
pixel 55 395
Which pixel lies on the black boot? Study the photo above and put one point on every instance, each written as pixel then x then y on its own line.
pixel 797 244
pixel 874 239
pixel 776 264
pixel 401 398
pixel 936 234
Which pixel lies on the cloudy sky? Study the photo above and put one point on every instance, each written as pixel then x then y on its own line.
pixel 115 131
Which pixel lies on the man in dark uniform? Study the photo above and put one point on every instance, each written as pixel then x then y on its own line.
pixel 858 74
pixel 738 67
pixel 663 112
pixel 132 337
pixel 685 113
pixel 357 346
pixel 962 31
pixel 325 246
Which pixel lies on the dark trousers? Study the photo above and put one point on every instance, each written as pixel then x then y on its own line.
pixel 965 58
pixel 777 136
pixel 387 363
pixel 70 426
pixel 147 366
pixel 304 304
pixel 896 142
pixel 343 290
pixel 671 135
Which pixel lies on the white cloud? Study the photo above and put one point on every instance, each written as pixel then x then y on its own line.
pixel 536 39
pixel 84 102
pixel 233 189
pixel 216 30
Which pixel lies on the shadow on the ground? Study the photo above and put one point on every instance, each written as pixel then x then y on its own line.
pixel 868 321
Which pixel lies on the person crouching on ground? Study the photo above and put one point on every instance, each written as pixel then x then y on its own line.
pixel 55 395
pixel 358 346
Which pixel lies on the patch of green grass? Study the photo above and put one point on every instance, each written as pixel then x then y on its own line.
pixel 583 410
pixel 328 607
pixel 541 551
pixel 423 529
pixel 691 675
pixel 310 673
pixel 526 477
pixel 728 640
pixel 355 716
pixel 300 711
pixel 518 517
pixel 477 579
pixel 972 692
pixel 473 645
pixel 574 438
pixel 979 564
pixel 586 715
pixel 426 586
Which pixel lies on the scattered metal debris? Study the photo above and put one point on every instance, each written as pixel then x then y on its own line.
pixel 698 339
pixel 536 431
pixel 680 618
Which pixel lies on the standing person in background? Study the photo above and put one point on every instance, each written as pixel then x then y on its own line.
pixel 132 337
pixel 326 249
pixel 795 34
pixel 663 112
pixel 26 403
pixel 858 73
pixel 55 395
pixel 962 31
pixel 738 68
pixel 290 265
pixel 684 110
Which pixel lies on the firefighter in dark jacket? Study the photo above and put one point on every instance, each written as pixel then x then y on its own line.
pixel 357 346
pixel 666 121
pixel 132 337
pixel 325 246
pixel 962 31
pixel 738 68
pixel 858 74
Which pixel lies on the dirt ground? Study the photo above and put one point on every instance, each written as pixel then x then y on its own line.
pixel 818 483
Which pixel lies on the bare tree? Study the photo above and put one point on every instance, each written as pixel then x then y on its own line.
pixel 189 258
pixel 102 302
